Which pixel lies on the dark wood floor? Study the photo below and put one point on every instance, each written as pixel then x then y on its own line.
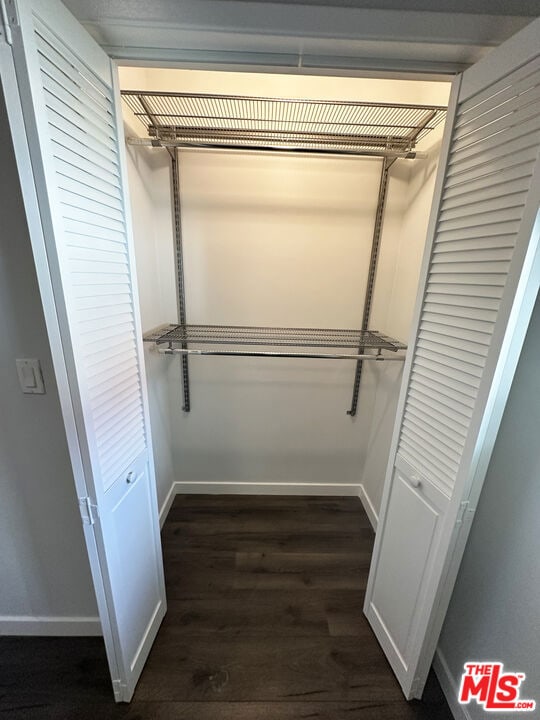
pixel 265 623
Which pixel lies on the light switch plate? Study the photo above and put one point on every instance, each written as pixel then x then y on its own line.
pixel 30 376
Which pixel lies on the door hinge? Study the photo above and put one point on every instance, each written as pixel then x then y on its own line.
pixel 119 689
pixel 89 511
pixel 464 511
pixel 10 19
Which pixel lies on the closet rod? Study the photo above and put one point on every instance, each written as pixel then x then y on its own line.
pixel 262 353
pixel 395 154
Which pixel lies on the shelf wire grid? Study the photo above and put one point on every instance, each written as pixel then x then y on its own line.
pixel 272 337
pixel 229 120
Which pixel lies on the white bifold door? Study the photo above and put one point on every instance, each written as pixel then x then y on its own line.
pixel 64 114
pixel 480 278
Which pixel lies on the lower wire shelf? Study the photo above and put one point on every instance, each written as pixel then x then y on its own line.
pixel 344 344
pixel 170 337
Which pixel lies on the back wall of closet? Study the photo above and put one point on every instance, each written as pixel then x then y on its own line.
pixel 277 239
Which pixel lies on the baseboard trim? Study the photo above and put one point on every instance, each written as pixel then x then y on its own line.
pixel 368 507
pixel 50 626
pixel 266 488
pixel 449 687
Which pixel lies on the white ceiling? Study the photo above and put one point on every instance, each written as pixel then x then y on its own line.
pixel 333 36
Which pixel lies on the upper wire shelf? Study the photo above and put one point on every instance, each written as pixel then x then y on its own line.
pixel 272 336
pixel 243 122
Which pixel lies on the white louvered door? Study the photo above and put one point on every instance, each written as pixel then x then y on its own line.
pixel 481 274
pixel 84 256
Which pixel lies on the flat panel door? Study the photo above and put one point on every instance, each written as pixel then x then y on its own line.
pixel 480 276
pixel 84 258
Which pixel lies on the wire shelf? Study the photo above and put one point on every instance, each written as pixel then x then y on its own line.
pixel 272 337
pixel 280 123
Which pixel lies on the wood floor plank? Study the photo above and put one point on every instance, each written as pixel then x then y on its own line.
pixel 234 711
pixel 265 622
pixel 312 540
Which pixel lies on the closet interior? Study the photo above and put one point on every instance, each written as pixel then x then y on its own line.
pixel 279 226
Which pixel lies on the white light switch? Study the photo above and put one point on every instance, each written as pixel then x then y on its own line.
pixel 30 377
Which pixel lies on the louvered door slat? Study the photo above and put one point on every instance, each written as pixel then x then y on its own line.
pixel 112 420
pixel 77 194
pixel 438 402
pixel 496 135
pixel 487 166
pixel 491 150
pixel 459 310
pixel 515 111
pixel 479 291
pixel 509 87
pixel 72 178
pixel 105 362
pixel 511 200
pixel 79 166
pixel 453 432
pixel 97 205
pixel 67 116
pixel 451 352
pixel 491 184
pixel 118 402
pixel 81 242
pixel 454 364
pixel 420 409
pixel 93 339
pixel 512 139
pixel 115 253
pixel 88 86
pixel 472 348
pixel 492 242
pixel 83 303
pixel 95 252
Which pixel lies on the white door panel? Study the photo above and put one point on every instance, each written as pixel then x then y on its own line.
pixel 406 552
pixel 81 236
pixel 480 276
pixel 128 520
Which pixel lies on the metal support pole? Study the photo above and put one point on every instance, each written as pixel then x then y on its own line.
pixel 375 246
pixel 181 291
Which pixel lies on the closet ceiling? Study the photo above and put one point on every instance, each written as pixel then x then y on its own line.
pixel 341 36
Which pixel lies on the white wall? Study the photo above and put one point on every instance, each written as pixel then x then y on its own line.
pixel 494 612
pixel 411 186
pixel 273 240
pixel 45 583
pixel 149 189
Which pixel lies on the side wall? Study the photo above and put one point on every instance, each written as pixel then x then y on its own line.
pixel 149 187
pixel 494 613
pixel 44 571
pixel 396 287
